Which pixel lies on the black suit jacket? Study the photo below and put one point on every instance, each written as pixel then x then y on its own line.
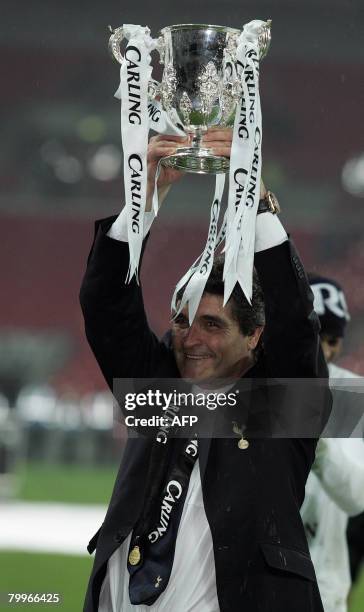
pixel 252 497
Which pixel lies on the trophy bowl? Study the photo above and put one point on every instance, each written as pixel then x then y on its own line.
pixel 200 87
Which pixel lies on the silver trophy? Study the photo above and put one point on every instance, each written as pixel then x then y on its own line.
pixel 200 87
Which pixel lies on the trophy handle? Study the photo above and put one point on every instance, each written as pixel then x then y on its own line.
pixel 115 40
pixel 153 89
pixel 265 38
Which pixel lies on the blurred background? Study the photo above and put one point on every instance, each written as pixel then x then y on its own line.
pixel 60 170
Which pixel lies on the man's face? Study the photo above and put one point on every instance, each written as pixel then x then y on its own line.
pixel 213 347
pixel 331 346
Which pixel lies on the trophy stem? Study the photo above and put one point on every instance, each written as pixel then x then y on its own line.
pixel 195 135
pixel 195 157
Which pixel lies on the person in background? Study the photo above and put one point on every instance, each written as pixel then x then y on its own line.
pixel 335 487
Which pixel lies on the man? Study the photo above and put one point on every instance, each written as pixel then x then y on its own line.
pixel 237 542
pixel 335 487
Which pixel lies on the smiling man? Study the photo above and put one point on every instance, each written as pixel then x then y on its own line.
pixel 209 524
pixel 220 343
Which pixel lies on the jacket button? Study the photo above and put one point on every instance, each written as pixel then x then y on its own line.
pixel 118 537
pixel 243 444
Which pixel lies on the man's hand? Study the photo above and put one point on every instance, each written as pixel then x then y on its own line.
pixel 161 146
pixel 220 140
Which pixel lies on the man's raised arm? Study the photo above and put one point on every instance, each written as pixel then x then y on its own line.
pixel 291 335
pixel 115 321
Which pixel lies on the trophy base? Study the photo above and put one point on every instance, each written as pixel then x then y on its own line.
pixel 197 160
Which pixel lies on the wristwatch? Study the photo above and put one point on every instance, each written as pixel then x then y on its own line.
pixel 269 204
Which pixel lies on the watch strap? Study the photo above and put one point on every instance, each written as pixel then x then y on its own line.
pixel 269 204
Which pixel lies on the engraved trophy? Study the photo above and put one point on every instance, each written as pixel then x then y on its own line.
pixel 200 86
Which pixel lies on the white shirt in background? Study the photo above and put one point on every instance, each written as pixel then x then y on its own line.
pixel 334 491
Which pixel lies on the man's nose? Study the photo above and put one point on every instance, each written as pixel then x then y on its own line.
pixel 193 336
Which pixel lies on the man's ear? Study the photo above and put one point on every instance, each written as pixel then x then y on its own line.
pixel 254 338
pixel 167 339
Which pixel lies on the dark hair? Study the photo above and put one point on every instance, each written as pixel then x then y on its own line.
pixel 248 316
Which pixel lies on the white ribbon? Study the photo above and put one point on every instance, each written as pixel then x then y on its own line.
pixel 245 169
pixel 159 120
pixel 135 73
pixel 198 274
pixel 138 115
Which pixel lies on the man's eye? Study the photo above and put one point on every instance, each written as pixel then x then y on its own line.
pixel 181 321
pixel 211 324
